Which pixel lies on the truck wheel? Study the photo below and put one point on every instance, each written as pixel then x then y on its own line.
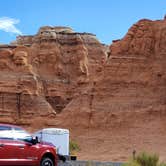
pixel 46 162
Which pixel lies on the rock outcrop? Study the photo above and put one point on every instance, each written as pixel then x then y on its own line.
pixel 62 78
pixel 20 89
pixel 125 99
pixel 42 73
pixel 144 38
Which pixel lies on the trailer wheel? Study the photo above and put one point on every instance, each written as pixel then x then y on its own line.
pixel 46 162
pixel 61 157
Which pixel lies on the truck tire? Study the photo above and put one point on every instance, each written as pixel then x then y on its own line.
pixel 46 161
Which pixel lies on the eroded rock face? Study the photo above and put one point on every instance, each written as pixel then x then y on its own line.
pixel 125 99
pixel 45 71
pixel 108 100
pixel 20 89
pixel 144 38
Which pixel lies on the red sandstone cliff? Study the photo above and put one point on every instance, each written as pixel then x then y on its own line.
pixel 124 106
pixel 41 74
pixel 112 103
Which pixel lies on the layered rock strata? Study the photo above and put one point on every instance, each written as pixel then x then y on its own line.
pixel 109 101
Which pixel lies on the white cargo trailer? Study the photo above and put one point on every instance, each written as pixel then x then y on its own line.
pixel 58 137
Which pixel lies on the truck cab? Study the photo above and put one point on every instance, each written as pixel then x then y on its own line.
pixel 18 147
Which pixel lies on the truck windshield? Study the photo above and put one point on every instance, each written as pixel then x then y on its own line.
pixel 20 134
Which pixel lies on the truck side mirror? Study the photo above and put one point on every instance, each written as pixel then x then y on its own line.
pixel 35 140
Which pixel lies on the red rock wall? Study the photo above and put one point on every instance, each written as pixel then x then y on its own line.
pixel 112 103
pixel 44 74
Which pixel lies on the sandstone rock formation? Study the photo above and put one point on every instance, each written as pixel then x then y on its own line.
pixel 125 99
pixel 42 73
pixel 19 89
pixel 62 78
pixel 144 38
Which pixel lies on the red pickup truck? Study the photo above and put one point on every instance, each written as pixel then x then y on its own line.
pixel 18 147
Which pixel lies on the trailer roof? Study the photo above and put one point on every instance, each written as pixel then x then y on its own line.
pixel 53 131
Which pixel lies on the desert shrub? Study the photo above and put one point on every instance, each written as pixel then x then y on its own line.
pixel 73 146
pixel 162 164
pixel 145 159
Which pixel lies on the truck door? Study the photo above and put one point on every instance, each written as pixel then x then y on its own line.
pixel 6 146
pixel 26 153
pixel 8 153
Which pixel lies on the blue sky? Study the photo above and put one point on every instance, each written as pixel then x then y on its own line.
pixel 108 19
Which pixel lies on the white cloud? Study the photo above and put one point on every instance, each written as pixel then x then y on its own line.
pixel 8 25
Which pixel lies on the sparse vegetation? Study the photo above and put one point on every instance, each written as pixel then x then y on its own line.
pixel 73 147
pixel 145 159
pixel 162 164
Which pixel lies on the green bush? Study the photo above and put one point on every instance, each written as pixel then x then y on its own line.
pixel 73 147
pixel 145 159
pixel 162 164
